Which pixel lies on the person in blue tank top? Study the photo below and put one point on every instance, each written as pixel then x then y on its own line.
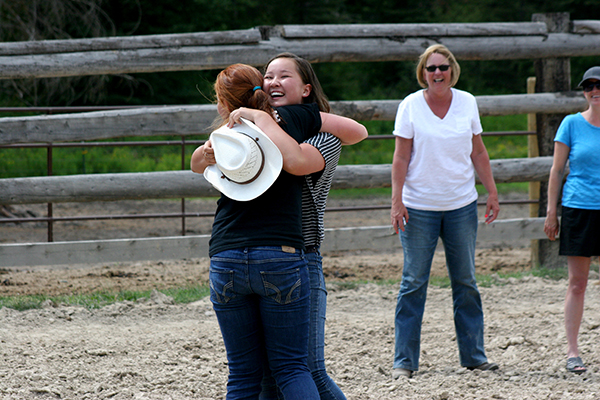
pixel 578 141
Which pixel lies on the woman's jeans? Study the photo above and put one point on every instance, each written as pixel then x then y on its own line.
pixel 458 231
pixel 328 390
pixel 261 298
pixel 316 340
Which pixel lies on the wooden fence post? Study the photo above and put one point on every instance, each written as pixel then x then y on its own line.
pixel 552 75
pixel 534 187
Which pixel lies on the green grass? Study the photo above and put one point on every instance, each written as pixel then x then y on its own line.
pixel 503 188
pixel 101 299
pixel 483 280
pixel 194 293
pixel 488 280
pixel 24 162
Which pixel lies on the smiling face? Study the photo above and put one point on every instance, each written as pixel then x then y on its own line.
pixel 437 80
pixel 283 83
pixel 592 96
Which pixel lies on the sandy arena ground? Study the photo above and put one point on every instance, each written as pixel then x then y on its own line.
pixel 155 349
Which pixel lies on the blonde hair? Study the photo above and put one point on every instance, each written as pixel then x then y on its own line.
pixel 443 50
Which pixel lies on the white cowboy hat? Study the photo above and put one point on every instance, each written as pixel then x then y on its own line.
pixel 248 162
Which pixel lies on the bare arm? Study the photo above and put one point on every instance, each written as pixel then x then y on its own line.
pixel 561 155
pixel 202 157
pixel 347 130
pixel 481 162
pixel 298 159
pixel 402 153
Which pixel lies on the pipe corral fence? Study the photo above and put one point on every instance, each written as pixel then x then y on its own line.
pixel 550 40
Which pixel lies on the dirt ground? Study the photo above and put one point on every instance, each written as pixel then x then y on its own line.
pixel 154 349
pixel 162 274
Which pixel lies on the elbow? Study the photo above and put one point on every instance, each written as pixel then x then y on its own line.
pixel 364 133
pixel 197 168
pixel 293 166
pixel 197 164
pixel 358 135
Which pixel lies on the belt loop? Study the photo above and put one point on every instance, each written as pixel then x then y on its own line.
pixel 311 249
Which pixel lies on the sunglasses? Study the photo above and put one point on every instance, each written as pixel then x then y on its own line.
pixel 590 86
pixel 432 68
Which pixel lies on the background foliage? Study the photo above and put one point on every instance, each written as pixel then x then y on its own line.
pixel 62 19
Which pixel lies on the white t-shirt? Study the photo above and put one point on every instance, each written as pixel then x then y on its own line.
pixel 440 175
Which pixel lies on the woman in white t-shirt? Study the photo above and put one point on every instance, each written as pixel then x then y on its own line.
pixel 438 150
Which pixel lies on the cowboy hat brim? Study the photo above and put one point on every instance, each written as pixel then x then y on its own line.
pixel 270 172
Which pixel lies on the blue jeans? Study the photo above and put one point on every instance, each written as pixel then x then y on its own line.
pixel 316 339
pixel 261 298
pixel 328 390
pixel 458 231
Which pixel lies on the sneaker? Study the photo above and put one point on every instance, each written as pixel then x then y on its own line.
pixel 398 372
pixel 486 366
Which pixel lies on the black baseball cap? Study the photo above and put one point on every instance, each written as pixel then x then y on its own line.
pixel 592 73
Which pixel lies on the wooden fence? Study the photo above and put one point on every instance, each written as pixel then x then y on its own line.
pixel 535 40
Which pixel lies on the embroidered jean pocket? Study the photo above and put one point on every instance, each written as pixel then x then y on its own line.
pixel 284 287
pixel 221 286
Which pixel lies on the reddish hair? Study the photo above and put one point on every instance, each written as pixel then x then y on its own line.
pixel 236 86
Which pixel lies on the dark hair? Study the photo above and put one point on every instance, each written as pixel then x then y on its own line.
pixel 308 76
pixel 236 86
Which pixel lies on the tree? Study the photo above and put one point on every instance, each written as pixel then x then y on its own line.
pixel 24 20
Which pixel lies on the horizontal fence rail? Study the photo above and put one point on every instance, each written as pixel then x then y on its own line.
pixel 216 50
pixel 536 41
pixel 11 219
pixel 195 120
pixel 32 255
pixel 178 184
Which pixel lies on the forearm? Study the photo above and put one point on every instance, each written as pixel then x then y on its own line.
pixel 400 162
pixel 298 159
pixel 481 162
pixel 346 129
pixel 398 212
pixel 559 161
pixel 554 185
pixel 198 161
pixel 398 177
pixel 294 157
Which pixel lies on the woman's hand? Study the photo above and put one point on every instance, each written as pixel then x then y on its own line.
pixel 399 215
pixel 492 208
pixel 551 226
pixel 248 113
pixel 209 153
pixel 202 157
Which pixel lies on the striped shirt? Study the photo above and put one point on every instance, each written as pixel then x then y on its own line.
pixel 316 188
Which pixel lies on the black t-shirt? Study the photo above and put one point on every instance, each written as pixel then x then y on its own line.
pixel 275 217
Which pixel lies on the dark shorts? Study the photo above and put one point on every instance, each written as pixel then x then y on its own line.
pixel 579 232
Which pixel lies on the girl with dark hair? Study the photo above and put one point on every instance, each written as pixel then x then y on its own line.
pixel 258 275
